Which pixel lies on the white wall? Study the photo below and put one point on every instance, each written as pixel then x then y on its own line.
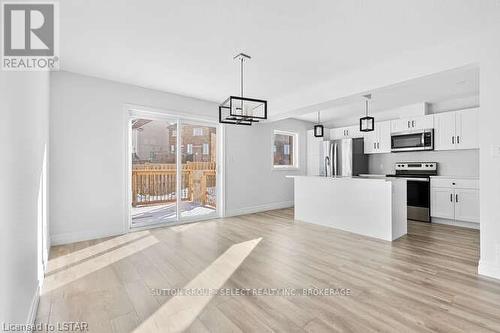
pixel 87 141
pixel 489 142
pixel 450 163
pixel 24 108
pixel 251 183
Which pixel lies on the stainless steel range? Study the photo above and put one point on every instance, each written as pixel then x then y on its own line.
pixel 417 175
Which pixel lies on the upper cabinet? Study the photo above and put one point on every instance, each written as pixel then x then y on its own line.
pixel 345 133
pixel 412 124
pixel 456 130
pixel 379 140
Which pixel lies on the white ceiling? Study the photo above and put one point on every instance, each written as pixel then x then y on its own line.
pixel 187 46
pixel 436 88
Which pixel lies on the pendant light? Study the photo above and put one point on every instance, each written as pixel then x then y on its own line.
pixel 367 124
pixel 240 110
pixel 318 129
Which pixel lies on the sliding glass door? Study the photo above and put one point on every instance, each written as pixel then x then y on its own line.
pixel 198 155
pixel 173 171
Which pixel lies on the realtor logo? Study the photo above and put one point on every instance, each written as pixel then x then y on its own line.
pixel 29 36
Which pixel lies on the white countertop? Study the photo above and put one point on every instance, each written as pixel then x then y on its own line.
pixel 378 178
pixel 456 177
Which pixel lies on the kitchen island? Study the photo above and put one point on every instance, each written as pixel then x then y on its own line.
pixel 374 207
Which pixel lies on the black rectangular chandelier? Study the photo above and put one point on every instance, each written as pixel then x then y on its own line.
pixel 319 131
pixel 367 124
pixel 239 110
pixel 226 118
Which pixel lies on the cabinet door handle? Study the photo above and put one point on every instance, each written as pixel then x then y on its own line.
pixel 458 138
pixel 378 145
pixel 408 124
pixel 374 145
pixel 456 197
pixel 453 140
pixel 413 123
pixel 451 197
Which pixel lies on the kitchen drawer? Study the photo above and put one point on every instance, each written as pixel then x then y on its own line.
pixel 455 183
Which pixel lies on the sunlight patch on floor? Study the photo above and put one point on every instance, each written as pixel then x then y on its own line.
pixel 179 312
pixel 74 257
pixel 73 273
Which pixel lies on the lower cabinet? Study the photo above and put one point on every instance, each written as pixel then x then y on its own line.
pixel 455 199
pixel 442 203
pixel 467 205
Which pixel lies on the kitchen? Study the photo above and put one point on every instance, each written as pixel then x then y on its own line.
pixel 432 145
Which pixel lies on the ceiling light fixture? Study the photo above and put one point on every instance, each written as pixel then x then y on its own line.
pixel 367 124
pixel 242 110
pixel 318 129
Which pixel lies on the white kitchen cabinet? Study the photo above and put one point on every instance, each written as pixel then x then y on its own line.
pixel 442 203
pixel 455 199
pixel 370 141
pixel 412 124
pixel 379 140
pixel 345 132
pixel 337 133
pixel 384 143
pixel 467 205
pixel 456 130
pixel 466 123
pixel 444 131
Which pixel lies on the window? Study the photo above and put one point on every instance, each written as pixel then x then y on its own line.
pixel 205 149
pixel 190 148
pixel 197 131
pixel 285 149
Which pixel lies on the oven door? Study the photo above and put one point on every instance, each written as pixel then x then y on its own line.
pixel 418 199
pixel 412 141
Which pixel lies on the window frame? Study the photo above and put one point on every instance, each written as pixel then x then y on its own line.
pixel 294 148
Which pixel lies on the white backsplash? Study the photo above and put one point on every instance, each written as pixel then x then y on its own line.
pixel 450 162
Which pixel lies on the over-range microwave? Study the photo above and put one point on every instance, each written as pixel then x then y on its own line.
pixel 411 141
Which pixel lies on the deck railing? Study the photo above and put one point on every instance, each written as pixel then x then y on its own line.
pixel 154 183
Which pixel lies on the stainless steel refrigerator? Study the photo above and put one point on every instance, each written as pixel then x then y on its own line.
pixel 343 158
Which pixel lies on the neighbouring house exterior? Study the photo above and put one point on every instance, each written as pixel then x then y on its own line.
pixel 155 142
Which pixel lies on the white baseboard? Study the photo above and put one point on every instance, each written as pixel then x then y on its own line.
pixel 489 269
pixel 470 225
pixel 259 208
pixel 72 237
pixel 30 321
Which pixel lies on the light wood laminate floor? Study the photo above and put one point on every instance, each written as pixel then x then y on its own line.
pixel 424 282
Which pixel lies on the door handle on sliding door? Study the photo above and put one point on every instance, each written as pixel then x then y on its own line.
pixel 451 197
pixel 456 197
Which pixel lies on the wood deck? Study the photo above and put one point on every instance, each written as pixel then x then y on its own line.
pixel 424 282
